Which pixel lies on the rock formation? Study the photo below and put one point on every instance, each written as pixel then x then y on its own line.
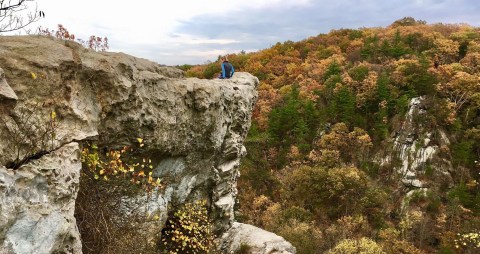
pixel 37 203
pixel 60 95
pixel 416 145
pixel 258 240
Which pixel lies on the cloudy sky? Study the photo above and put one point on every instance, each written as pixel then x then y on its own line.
pixel 195 31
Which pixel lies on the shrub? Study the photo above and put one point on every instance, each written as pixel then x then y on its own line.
pixel 468 242
pixel 120 163
pixel 303 235
pixel 189 230
pixel 346 227
pixel 106 178
pixel 336 191
pixel 391 243
pixel 362 246
pixel 94 42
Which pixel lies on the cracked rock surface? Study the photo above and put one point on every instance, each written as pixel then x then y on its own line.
pixel 55 94
pixel 37 203
pixel 258 240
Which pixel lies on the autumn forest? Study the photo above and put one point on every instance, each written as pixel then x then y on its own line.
pixel 331 109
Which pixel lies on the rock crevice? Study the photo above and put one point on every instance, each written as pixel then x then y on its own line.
pixel 193 131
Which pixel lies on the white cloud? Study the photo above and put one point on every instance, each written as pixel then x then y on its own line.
pixel 145 23
pixel 141 20
pixel 188 31
pixel 188 39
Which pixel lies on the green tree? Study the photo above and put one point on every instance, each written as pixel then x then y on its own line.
pixel 333 69
pixel 335 192
pixel 293 122
pixel 211 70
pixel 345 105
pixel 371 49
pixel 408 21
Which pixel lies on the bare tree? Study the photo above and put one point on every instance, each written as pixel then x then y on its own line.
pixel 17 14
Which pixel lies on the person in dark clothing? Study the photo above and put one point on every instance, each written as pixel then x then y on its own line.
pixel 227 69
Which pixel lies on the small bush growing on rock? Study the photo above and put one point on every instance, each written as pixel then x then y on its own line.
pixel 106 178
pixel 120 163
pixel 94 42
pixel 189 230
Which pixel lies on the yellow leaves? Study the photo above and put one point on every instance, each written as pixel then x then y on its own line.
pixel 446 50
pixel 468 241
pixel 189 230
pixel 401 66
pixel 363 245
pixel 140 141
pixel 115 161
pixel 472 184
pixel 460 89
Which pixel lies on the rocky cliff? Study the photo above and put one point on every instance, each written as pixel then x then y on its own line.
pixel 417 147
pixel 55 95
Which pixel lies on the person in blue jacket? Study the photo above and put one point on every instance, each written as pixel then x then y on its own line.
pixel 227 69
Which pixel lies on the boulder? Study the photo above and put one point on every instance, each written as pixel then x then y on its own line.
pixel 256 240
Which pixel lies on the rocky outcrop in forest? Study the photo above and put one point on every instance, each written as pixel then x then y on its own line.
pixel 55 96
pixel 416 147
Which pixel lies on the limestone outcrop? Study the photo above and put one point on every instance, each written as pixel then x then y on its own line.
pixel 55 95
pixel 416 146
pixel 37 203
pixel 6 92
pixel 257 240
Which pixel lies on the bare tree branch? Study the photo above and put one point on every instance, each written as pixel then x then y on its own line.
pixel 14 15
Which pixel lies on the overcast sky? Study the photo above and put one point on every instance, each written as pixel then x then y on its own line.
pixel 195 31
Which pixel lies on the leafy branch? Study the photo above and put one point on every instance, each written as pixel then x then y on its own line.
pixel 115 163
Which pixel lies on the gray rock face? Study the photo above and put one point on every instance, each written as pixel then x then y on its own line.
pixel 37 203
pixel 258 240
pixel 193 131
pixel 6 92
pixel 415 145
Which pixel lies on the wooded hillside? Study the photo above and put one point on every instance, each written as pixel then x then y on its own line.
pixel 330 105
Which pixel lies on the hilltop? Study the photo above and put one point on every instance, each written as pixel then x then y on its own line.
pixel 366 136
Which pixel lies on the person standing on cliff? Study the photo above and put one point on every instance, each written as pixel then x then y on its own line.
pixel 227 69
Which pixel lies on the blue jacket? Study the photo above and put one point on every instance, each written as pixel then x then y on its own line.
pixel 227 70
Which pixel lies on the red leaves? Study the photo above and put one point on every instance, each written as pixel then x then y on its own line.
pixel 94 42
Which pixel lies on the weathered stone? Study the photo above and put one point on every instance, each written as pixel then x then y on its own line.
pixel 37 203
pixel 6 92
pixel 193 131
pixel 415 145
pixel 258 240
